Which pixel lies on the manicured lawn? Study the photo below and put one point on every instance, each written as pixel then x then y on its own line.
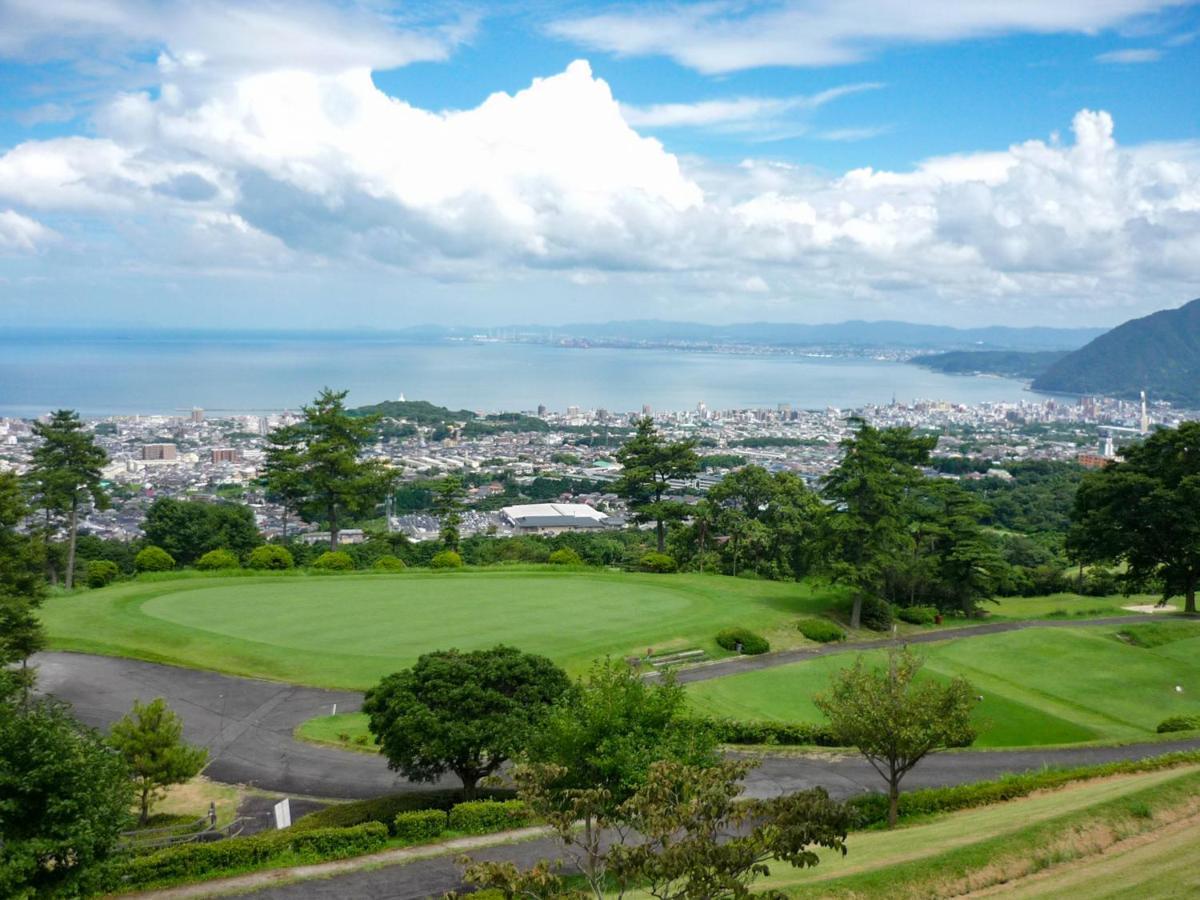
pixel 331 730
pixel 1065 606
pixel 347 631
pixel 1048 686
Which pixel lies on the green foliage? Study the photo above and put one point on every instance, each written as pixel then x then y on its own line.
pixel 1009 363
pixel 482 816
pixel 876 614
pixel 101 572
pixel 649 462
pixel 389 563
pixel 187 529
pixel 199 861
pixel 270 557
pixel 64 799
pixel 894 720
pixel 419 824
pixel 448 497
pixel 565 556
pixel 741 731
pixel 917 615
pixel 386 809
pixel 334 561
pixel 742 640
pixel 820 630
pixel 150 740
pixel 217 559
pixel 22 588
pixel 466 713
pixel 1141 511
pixel 1037 499
pixel 1178 723
pixel 446 559
pixel 657 562
pixel 153 559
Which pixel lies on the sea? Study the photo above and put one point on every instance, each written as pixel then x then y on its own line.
pixel 105 375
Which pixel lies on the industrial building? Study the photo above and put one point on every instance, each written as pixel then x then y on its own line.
pixel 555 518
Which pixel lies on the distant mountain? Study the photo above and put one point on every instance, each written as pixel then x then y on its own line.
pixel 847 334
pixel 1159 354
pixel 1009 363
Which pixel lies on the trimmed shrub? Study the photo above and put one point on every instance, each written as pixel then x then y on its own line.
pixel 820 630
pixel 101 572
pixel 480 816
pixel 876 614
pixel 446 559
pixel 742 640
pixel 419 824
pixel 917 615
pixel 334 561
pixel 389 563
pixel 198 860
pixel 153 559
pixel 270 556
pixel 657 562
pixel 1178 723
pixel 737 731
pixel 565 556
pixel 214 560
pixel 385 809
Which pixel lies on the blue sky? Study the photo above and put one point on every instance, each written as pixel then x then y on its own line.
pixel 1012 162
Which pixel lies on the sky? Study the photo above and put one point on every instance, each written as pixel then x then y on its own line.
pixel 314 164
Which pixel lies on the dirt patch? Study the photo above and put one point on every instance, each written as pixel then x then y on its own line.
pixel 1152 608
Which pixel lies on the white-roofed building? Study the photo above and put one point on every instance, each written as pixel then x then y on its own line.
pixel 554 518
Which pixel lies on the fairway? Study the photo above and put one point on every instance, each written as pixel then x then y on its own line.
pixel 348 631
pixel 1046 686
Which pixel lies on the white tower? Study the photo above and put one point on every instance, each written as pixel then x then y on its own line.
pixel 1145 416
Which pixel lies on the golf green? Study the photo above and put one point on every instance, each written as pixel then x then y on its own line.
pixel 347 631
pixel 1039 686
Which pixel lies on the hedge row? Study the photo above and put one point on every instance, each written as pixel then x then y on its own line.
pixel 917 615
pixel 742 640
pixel 820 630
pixel 190 861
pixel 385 809
pixel 419 824
pixel 481 816
pixel 872 809
pixel 736 731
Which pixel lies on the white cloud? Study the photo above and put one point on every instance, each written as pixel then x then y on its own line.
pixel 286 169
pixel 726 36
pixel 736 112
pixel 22 234
pixel 1131 56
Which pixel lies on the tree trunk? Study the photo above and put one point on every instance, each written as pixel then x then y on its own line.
pixel 470 780
pixel 285 517
pixel 856 612
pixel 333 527
pixel 1189 603
pixel 893 802
pixel 70 574
pixel 145 801
pixel 662 542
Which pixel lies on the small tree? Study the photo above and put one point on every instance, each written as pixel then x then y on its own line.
pixel 150 739
pixel 447 506
pixel 894 720
pixel 270 556
pixel 153 559
pixel 649 464
pixel 101 572
pixel 465 713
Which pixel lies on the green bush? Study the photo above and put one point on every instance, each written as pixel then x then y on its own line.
pixel 153 559
pixel 217 559
pixel 820 630
pixel 334 561
pixel 657 562
pixel 751 644
pixel 101 572
pixel 190 861
pixel 737 731
pixel 480 816
pixel 446 559
pixel 1178 723
pixel 389 563
pixel 419 824
pixel 385 809
pixel 270 556
pixel 565 556
pixel 917 615
pixel 876 614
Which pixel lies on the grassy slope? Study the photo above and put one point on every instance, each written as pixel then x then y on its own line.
pixel 348 631
pixel 1039 687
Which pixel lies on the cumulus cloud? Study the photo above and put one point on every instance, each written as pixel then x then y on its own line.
pixel 290 167
pixel 22 234
pixel 726 36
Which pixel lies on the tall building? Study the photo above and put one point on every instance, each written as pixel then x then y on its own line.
pixel 197 414
pixel 647 410
pixel 226 454
pixel 159 451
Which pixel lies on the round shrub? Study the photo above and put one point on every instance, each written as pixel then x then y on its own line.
pixel 153 559
pixel 270 556
pixel 101 572
pixel 742 640
pixel 1178 723
pixel 917 615
pixel 565 556
pixel 389 563
pixel 820 630
pixel 876 614
pixel 657 562
pixel 334 561
pixel 446 559
pixel 419 824
pixel 214 560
